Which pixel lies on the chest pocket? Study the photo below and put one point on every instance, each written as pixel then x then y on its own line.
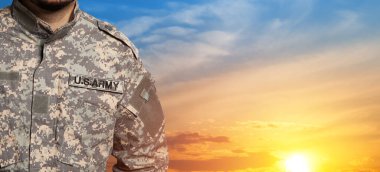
pixel 8 88
pixel 85 129
pixel 9 127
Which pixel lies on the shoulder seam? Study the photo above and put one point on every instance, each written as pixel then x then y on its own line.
pixel 89 18
pixel 111 30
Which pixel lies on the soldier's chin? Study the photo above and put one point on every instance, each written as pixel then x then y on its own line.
pixel 52 5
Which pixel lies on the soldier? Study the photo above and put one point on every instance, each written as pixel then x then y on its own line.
pixel 73 91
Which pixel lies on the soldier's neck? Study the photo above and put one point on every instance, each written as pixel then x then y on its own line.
pixel 56 19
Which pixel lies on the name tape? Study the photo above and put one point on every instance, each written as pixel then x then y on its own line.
pixel 96 84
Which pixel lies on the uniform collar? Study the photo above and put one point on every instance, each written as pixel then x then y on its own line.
pixel 39 27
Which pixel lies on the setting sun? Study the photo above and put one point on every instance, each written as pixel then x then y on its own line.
pixel 297 163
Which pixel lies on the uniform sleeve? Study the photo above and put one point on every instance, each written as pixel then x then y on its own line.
pixel 139 138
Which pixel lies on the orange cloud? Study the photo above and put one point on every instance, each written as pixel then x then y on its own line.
pixel 179 141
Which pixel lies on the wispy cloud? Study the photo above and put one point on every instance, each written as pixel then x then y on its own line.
pixel 249 125
pixel 190 40
pixel 253 160
pixel 140 25
pixel 179 141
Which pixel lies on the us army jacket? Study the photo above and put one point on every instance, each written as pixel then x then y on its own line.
pixel 70 98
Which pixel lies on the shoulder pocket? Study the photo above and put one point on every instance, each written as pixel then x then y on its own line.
pixel 145 105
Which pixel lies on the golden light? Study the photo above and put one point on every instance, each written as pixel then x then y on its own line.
pixel 297 163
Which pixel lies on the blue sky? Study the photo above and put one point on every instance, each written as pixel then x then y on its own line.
pixel 233 32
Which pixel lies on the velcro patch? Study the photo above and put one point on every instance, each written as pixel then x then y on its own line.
pixel 10 76
pixel 96 84
pixel 41 103
pixel 145 104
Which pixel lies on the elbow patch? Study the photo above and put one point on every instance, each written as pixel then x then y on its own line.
pixel 144 104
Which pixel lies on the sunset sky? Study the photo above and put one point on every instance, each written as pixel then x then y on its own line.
pixel 246 84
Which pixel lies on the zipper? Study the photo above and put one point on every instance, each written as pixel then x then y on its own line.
pixel 42 54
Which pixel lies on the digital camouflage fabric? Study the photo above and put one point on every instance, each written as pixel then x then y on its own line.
pixel 70 98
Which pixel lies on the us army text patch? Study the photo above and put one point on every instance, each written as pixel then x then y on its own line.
pixel 96 84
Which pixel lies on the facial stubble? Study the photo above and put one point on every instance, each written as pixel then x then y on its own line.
pixel 52 5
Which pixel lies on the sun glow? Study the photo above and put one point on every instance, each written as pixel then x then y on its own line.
pixel 297 163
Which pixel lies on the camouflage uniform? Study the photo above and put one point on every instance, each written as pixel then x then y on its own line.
pixel 70 98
